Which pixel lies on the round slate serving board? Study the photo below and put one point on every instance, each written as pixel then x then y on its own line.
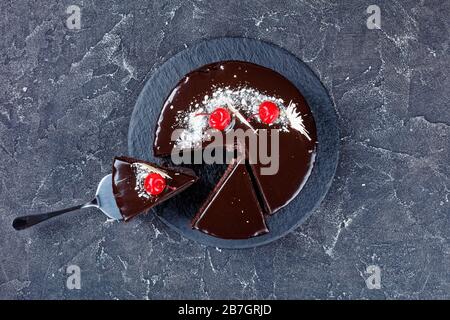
pixel 178 211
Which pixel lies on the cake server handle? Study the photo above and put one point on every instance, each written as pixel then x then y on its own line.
pixel 24 222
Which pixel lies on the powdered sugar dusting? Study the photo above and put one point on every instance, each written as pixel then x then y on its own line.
pixel 244 103
pixel 195 125
pixel 141 171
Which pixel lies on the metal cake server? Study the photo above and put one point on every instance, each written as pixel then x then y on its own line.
pixel 104 200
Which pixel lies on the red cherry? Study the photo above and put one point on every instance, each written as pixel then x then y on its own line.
pixel 268 112
pixel 219 119
pixel 154 184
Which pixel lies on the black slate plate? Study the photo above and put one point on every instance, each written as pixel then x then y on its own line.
pixel 178 211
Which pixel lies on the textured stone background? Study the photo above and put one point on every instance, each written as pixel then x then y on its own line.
pixel 66 100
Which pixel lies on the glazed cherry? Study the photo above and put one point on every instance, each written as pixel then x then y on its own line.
pixel 268 112
pixel 154 184
pixel 219 119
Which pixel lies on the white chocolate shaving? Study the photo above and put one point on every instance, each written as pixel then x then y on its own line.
pixel 241 117
pixel 149 168
pixel 296 120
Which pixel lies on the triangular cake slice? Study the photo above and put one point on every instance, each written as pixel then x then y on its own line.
pixel 139 185
pixel 232 210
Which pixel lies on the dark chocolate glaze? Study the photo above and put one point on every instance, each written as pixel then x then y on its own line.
pixel 296 160
pixel 232 210
pixel 297 153
pixel 124 184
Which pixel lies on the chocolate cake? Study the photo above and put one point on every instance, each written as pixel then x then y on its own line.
pixel 232 210
pixel 231 95
pixel 139 185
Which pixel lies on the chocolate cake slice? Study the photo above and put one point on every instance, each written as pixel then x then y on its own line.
pixel 139 185
pixel 232 210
